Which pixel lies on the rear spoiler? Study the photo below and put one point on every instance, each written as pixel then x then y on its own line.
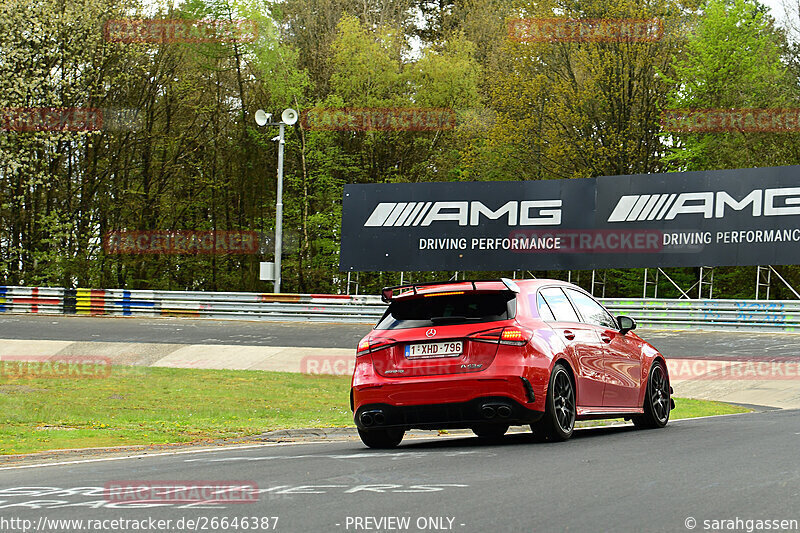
pixel 388 292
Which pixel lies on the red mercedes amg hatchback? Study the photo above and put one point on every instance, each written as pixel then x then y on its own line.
pixel 486 355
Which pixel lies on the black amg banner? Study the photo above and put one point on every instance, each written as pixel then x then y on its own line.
pixel 724 217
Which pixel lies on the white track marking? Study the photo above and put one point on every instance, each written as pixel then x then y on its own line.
pixel 162 454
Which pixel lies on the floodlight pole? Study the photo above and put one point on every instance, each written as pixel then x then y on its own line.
pixel 288 117
pixel 279 213
pixel 278 204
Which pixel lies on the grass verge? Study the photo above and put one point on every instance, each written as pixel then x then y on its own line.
pixel 148 405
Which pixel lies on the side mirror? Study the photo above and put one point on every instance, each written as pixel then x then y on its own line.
pixel 626 324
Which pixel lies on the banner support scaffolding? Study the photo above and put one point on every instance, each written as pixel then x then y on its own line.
pixel 349 282
pixel 654 283
pixel 600 282
pixel 764 280
pixel 706 280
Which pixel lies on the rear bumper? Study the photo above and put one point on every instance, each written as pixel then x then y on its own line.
pixel 450 401
pixel 491 409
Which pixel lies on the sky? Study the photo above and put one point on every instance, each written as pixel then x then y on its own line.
pixel 779 9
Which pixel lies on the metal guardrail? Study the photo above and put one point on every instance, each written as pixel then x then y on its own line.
pixel 230 305
pixel 750 315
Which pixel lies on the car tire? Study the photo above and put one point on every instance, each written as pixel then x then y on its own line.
pixel 490 431
pixel 558 422
pixel 657 401
pixel 381 438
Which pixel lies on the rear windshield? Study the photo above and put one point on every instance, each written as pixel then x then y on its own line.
pixel 469 308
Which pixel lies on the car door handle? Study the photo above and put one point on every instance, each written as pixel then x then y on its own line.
pixel 605 338
pixel 569 335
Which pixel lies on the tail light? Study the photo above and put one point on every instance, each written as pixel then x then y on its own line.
pixel 492 336
pixel 373 345
pixel 513 336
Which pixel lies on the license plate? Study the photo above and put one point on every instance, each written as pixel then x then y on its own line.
pixel 434 349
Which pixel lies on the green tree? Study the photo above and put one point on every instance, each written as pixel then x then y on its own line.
pixel 577 109
pixel 735 59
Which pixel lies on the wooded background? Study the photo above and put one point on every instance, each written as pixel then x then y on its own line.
pixel 197 161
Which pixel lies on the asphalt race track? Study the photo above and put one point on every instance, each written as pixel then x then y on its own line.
pixel 740 467
pixel 182 331
pixel 609 479
pixel 673 344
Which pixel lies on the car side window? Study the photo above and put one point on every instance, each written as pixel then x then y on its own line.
pixel 591 311
pixel 559 304
pixel 544 310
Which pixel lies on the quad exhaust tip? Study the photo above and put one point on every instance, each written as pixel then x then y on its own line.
pixel 502 410
pixel 366 419
pixel 372 418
